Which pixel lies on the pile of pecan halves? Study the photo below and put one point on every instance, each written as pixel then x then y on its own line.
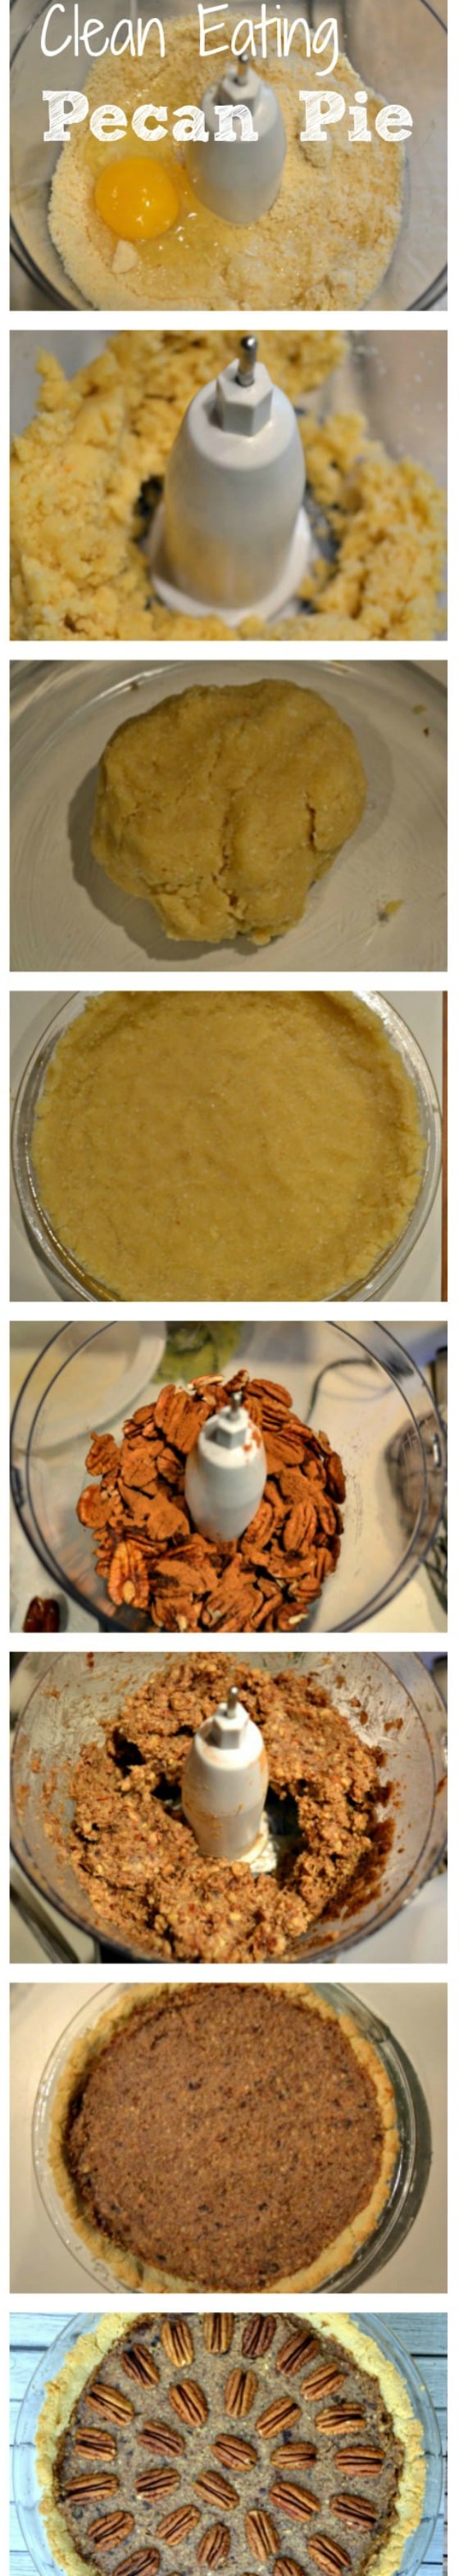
pixel 153 1560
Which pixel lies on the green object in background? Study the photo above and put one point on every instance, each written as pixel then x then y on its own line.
pixel 197 1350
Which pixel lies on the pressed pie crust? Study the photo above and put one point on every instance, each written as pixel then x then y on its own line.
pixel 224 2138
pixel 204 2440
pixel 159 1183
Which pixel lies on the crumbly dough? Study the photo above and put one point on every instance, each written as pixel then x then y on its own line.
pixel 78 469
pixel 223 805
pixel 85 2355
pixel 325 243
pixel 227 1145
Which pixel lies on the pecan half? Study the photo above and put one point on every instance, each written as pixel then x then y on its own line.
pixel 144 2562
pixel 156 2482
pixel 162 2438
pixel 189 2401
pixel 257 2337
pixel 110 2401
pixel 328 2555
pixel 340 2419
pixel 176 2527
pixel 216 2490
pixel 88 2490
pixel 261 2534
pixel 322 2382
pixel 296 2349
pixel 139 2364
pixel 233 2452
pixel 241 2388
pixel 177 2339
pixel 296 2502
pixel 109 2533
pixel 359 2463
pixel 356 2510
pixel 277 2417
pixel 214 2546
pixel 294 2455
pixel 128 1579
pixel 94 2443
pixel 218 2333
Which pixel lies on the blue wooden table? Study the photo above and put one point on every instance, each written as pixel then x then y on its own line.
pixel 425 2337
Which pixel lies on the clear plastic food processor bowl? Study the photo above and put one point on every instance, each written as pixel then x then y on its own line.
pixel 409 2179
pixel 398 48
pixel 359 1386
pixel 391 1704
pixel 66 1271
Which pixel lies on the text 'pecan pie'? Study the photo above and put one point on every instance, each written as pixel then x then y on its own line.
pixel 215 2440
pixel 225 2137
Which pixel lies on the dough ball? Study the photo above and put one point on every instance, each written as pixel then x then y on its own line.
pixel 223 804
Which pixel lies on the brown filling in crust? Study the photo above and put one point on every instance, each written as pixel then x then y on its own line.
pixel 228 2138
pixel 136 1858
pixel 208 2440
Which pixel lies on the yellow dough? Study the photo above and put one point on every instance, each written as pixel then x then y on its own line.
pixel 325 243
pixel 228 1146
pixel 77 472
pixel 223 805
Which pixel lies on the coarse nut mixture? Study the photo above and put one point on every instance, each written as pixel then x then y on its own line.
pixel 151 1556
pixel 136 1858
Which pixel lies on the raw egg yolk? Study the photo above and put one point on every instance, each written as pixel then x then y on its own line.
pixel 137 200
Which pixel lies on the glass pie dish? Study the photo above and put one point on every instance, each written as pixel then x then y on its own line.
pixel 361 1387
pixel 408 2183
pixel 66 1271
pixel 401 52
pixel 74 1697
pixel 386 2338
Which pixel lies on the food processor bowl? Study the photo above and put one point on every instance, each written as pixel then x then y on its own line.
pixel 408 2183
pixel 400 52
pixel 397 379
pixel 358 1385
pixel 25 2481
pixel 391 1704
pixel 382 905
pixel 66 1271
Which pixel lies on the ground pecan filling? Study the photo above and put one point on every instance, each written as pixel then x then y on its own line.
pixel 230 2135
pixel 136 1858
pixel 205 2441
pixel 152 1559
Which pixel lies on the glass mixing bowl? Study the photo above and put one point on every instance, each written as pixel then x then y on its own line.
pixel 399 51
pixel 381 906
pixel 360 1387
pixel 65 1269
pixel 409 2180
pixel 403 1716
pixel 25 2481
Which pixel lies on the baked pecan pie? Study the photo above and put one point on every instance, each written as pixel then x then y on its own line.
pixel 200 2441
pixel 155 1563
pixel 239 2137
